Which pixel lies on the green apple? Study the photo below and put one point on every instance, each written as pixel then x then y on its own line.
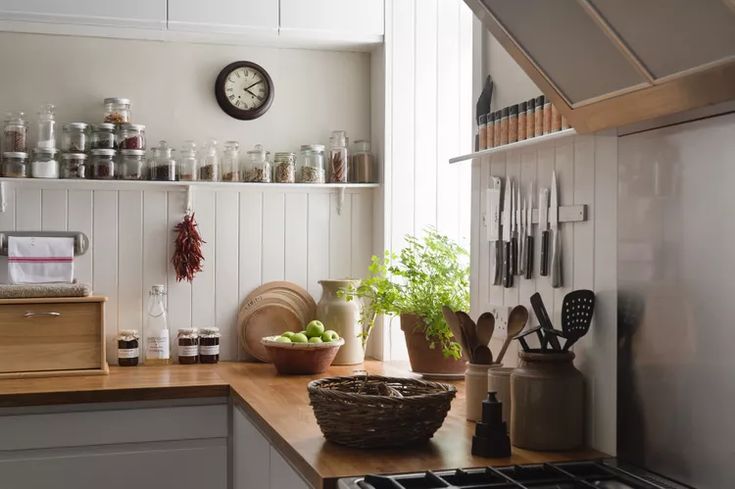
pixel 283 339
pixel 288 334
pixel 329 335
pixel 314 329
pixel 299 338
pixel 315 339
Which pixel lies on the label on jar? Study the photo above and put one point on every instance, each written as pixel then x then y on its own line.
pixel 188 350
pixel 128 352
pixel 157 347
pixel 209 350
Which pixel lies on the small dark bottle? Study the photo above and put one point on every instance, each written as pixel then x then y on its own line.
pixel 188 342
pixel 128 348
pixel 209 345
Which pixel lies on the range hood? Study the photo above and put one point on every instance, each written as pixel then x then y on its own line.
pixel 607 63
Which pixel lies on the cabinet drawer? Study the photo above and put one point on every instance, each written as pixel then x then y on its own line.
pixel 51 336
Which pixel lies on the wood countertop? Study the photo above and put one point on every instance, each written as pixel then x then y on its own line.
pixel 279 405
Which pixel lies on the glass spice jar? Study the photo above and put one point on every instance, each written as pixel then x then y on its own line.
pixel 284 167
pixel 209 345
pixel 73 166
pixel 538 117
pixel 188 346
pixel 103 136
pixel 164 167
pixel 188 163
pixel 231 162
pixel 117 110
pixel 15 164
pixel 128 348
pixel 131 164
pixel 312 163
pixel 482 132
pixel 530 121
pixel 131 136
pixel 555 119
pixel 338 162
pixel 44 164
pixel 547 116
pixel 259 168
pixel 74 137
pixel 209 168
pixel 522 121
pixel 513 124
pixel 15 133
pixel 102 164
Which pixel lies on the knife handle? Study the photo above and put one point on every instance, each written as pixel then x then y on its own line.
pixel 529 257
pixel 514 255
pixel 507 267
pixel 498 278
pixel 545 253
pixel 556 276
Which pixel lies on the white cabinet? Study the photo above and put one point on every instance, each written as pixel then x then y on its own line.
pixel 346 20
pixel 224 16
pixel 142 14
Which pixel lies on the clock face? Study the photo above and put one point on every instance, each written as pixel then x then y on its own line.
pixel 244 90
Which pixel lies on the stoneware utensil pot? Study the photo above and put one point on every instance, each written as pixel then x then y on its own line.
pixel 343 317
pixel 498 381
pixel 425 360
pixel 547 402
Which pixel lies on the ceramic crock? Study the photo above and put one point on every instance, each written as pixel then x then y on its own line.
pixel 343 317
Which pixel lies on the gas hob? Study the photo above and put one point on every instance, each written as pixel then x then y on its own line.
pixel 606 474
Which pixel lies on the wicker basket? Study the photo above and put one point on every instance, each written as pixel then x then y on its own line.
pixel 374 411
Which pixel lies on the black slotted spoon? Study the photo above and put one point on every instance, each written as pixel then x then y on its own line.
pixel 576 315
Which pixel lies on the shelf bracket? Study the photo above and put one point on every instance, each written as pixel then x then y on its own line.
pixel 3 201
pixel 189 199
pixel 340 200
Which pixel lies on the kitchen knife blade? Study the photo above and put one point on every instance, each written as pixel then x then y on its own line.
pixel 529 233
pixel 514 228
pixel 556 274
pixel 543 226
pixel 496 248
pixel 507 233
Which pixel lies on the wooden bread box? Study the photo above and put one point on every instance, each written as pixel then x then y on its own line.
pixel 52 336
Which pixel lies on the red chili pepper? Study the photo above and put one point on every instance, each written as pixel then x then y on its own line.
pixel 187 259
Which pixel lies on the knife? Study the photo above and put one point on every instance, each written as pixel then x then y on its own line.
pixel 514 228
pixel 507 234
pixel 556 275
pixel 529 233
pixel 496 249
pixel 543 226
pixel 522 233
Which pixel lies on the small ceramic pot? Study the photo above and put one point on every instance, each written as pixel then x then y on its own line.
pixel 547 402
pixel 498 381
pixel 476 388
pixel 343 317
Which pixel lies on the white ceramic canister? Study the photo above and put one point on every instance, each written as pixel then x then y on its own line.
pixel 476 388
pixel 498 380
pixel 343 317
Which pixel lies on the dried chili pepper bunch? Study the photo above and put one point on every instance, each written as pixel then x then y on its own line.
pixel 188 258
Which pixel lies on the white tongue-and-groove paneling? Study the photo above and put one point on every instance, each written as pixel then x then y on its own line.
pixel 252 236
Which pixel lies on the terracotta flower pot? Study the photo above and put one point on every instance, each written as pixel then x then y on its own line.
pixel 422 358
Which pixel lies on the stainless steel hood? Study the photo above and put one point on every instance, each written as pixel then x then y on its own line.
pixel 607 63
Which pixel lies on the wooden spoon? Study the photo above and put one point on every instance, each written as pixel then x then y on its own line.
pixel 485 328
pixel 516 322
pixel 482 355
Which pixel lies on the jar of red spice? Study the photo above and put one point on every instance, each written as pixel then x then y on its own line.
pixel 188 343
pixel 131 136
pixel 209 345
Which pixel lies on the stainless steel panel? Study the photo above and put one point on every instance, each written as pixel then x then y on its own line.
pixel 676 268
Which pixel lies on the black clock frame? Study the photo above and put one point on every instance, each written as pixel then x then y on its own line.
pixel 223 101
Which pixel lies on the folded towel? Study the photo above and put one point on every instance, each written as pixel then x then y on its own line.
pixel 33 260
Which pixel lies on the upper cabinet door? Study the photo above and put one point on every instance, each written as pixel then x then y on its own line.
pixel 359 21
pixel 223 16
pixel 146 14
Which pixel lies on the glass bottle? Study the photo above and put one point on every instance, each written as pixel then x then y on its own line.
pixel 259 168
pixel 188 164
pixel 156 337
pixel 209 169
pixel 164 169
pixel 15 133
pixel 338 163
pixel 231 162
pixel 312 163
pixel 46 127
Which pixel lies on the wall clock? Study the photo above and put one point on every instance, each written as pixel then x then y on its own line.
pixel 244 90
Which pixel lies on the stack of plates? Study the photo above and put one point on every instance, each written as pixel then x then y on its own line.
pixel 270 310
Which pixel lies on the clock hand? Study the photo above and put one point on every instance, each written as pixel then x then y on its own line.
pixel 254 95
pixel 251 86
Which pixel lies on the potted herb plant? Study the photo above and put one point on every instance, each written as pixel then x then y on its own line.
pixel 430 272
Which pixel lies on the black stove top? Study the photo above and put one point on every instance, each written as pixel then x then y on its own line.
pixel 564 475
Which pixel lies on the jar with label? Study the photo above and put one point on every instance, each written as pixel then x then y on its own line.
pixel 338 163
pixel 131 136
pixel 44 163
pixel 312 163
pixel 188 346
pixel 188 164
pixel 164 169
pixel 131 164
pixel 363 163
pixel 209 345
pixel 258 166
pixel 209 167
pixel 231 162
pixel 284 168
pixel 73 166
pixel 15 164
pixel 102 165
pixel 74 137
pixel 128 348
pixel 46 127
pixel 117 110
pixel 103 136
pixel 15 133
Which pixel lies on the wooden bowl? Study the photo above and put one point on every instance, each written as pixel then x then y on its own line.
pixel 301 358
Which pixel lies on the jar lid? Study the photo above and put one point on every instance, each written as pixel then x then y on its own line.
pixel 132 152
pixel 128 334
pixel 103 152
pixel 209 332
pixel 104 126
pixel 15 154
pixel 117 100
pixel 133 127
pixel 76 125
pixel 312 147
pixel 73 156
pixel 187 333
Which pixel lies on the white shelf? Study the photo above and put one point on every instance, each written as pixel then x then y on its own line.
pixel 526 143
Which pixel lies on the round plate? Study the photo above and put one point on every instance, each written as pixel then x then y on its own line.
pixel 268 320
